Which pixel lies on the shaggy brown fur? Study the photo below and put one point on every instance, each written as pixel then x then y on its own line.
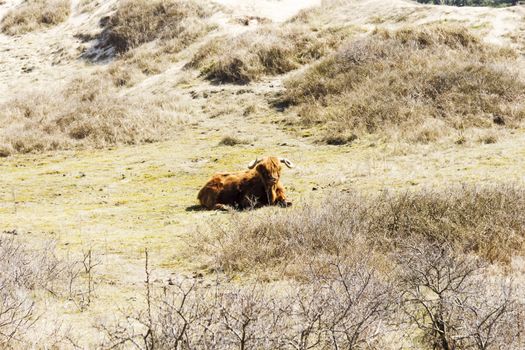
pixel 258 186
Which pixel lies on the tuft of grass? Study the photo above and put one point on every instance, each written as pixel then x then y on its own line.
pixel 402 79
pixel 5 151
pixel 488 137
pixel 137 22
pixel 486 221
pixel 231 141
pixel 339 139
pixel 90 114
pixel 33 15
pixel 146 36
pixel 269 50
pixel 86 6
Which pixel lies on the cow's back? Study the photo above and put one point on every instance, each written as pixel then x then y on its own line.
pixel 222 188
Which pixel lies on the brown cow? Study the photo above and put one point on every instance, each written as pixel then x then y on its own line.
pixel 255 187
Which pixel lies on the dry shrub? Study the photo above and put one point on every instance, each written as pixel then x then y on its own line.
pixel 402 78
pixel 31 279
pixel 433 298
pixel 337 139
pixel 344 307
pixel 430 250
pixel 455 302
pixel 88 112
pixel 23 272
pixel 137 22
pixel 269 50
pixel 487 221
pixel 34 15
pixel 487 137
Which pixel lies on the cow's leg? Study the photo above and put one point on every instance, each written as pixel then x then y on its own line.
pixel 280 197
pixel 222 207
pixel 249 202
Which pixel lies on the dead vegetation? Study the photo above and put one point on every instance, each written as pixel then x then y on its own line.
pixel 86 6
pixel 409 79
pixel 90 114
pixel 232 141
pixel 34 15
pixel 146 36
pixel 23 272
pixel 455 303
pixel 269 50
pixel 428 295
pixel 429 260
pixel 344 307
pixel 484 221
pixel 137 22
pixel 31 279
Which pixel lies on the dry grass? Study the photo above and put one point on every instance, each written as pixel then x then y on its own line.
pixel 485 221
pixel 34 15
pixel 386 272
pixel 86 6
pixel 90 114
pixel 147 36
pixel 409 79
pixel 269 50
pixel 232 141
pixel 137 22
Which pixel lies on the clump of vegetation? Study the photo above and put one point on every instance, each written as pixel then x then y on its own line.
pixel 33 15
pixel 435 299
pixel 339 139
pixel 90 114
pixel 370 273
pixel 23 272
pixel 85 6
pixel 488 138
pixel 486 221
pixel 137 22
pixel 403 78
pixel 266 51
pixel 450 299
pixel 231 141
pixel 147 36
pixel 31 278
pixel 344 307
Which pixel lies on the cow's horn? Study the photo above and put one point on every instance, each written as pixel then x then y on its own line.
pixel 253 163
pixel 286 162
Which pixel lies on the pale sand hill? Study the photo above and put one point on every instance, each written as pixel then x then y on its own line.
pixel 51 56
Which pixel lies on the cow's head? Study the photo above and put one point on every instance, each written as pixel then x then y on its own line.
pixel 270 168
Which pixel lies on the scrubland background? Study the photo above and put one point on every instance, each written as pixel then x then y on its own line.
pixel 405 121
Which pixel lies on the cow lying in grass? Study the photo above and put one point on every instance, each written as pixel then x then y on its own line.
pixel 255 187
